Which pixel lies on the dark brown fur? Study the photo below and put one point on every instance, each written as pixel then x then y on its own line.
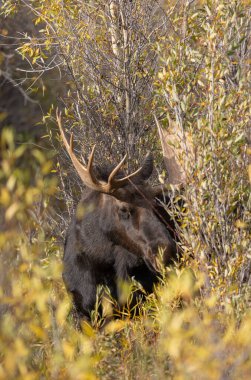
pixel 113 238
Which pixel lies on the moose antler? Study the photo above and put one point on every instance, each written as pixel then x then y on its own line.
pixel 170 139
pixel 86 173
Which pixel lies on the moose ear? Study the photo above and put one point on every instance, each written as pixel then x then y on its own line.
pixel 147 167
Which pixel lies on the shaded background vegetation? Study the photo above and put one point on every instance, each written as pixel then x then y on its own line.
pixel 111 67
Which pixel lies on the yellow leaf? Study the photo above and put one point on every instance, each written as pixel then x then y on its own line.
pixel 62 312
pixel 38 331
pixel 19 151
pixel 69 350
pixel 11 183
pixel 115 326
pixel 87 329
pixel 5 197
pixel 39 156
pixel 240 224
pixel 12 210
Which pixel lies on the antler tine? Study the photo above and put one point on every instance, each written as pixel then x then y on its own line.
pixel 91 157
pixel 58 116
pixel 116 169
pixel 116 183
pixel 71 142
pixel 129 176
pixel 68 146
pixel 86 174
pixel 122 181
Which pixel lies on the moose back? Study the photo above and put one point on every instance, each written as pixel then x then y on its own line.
pixel 115 234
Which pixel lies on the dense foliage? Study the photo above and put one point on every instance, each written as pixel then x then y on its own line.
pixel 190 66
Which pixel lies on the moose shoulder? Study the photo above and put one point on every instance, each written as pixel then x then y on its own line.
pixel 115 233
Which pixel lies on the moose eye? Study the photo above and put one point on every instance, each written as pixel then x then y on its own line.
pixel 124 213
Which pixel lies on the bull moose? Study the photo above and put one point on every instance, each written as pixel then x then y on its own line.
pixel 116 231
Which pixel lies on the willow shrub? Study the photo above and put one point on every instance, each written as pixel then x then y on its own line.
pixel 203 88
pixel 34 305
